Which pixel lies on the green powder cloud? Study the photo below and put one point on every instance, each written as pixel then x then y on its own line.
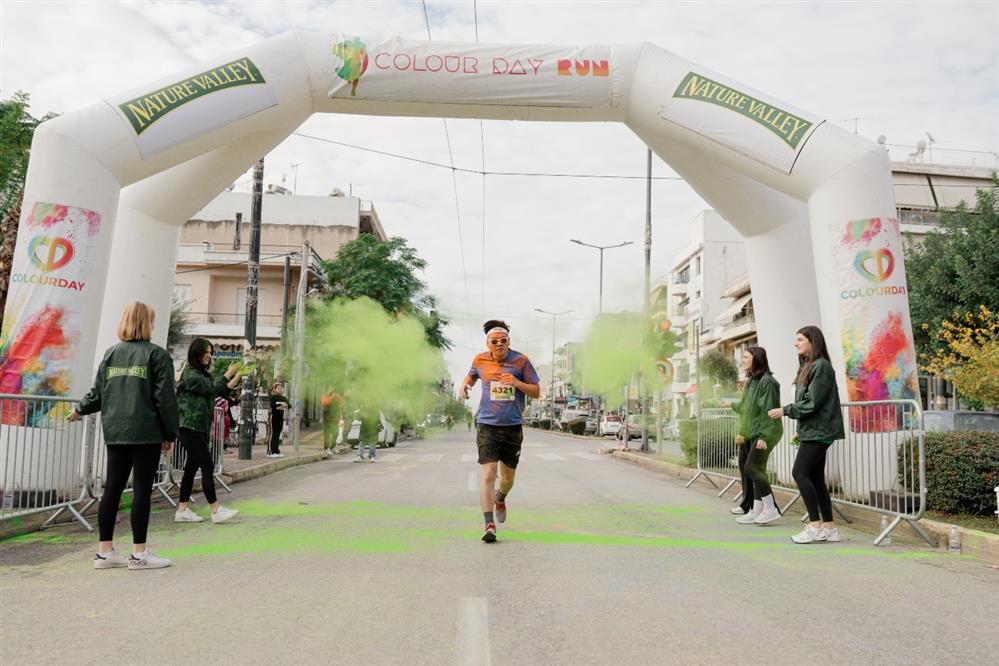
pixel 613 353
pixel 377 360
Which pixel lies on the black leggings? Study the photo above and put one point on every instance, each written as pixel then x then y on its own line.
pixel 141 460
pixel 276 426
pixel 810 474
pixel 753 468
pixel 198 457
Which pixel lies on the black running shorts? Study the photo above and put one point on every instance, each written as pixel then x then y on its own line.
pixel 500 443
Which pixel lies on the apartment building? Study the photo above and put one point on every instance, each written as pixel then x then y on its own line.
pixel 214 249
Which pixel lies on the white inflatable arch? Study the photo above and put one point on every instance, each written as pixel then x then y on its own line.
pixel 110 185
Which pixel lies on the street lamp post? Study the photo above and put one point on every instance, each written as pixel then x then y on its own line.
pixel 600 301
pixel 551 392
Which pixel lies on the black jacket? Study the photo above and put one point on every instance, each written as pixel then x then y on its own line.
pixel 134 392
pixel 816 405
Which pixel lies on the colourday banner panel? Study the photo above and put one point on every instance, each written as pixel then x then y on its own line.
pixel 402 70
pixel 49 291
pixel 878 349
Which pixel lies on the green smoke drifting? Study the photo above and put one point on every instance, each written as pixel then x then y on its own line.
pixel 613 353
pixel 376 360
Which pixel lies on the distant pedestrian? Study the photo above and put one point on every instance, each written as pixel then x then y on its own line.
pixel 820 422
pixel 279 407
pixel 366 433
pixel 507 378
pixel 134 392
pixel 757 435
pixel 332 403
pixel 197 392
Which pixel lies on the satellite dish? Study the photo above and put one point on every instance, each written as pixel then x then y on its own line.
pixel 921 145
pixel 882 139
pixel 930 137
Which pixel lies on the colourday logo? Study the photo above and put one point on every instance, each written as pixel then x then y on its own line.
pixel 49 254
pixel 354 61
pixel 874 265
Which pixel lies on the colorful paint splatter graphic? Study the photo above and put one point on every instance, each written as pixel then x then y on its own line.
pixel 876 331
pixel 47 303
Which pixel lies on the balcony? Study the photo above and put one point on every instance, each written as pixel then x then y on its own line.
pixel 231 325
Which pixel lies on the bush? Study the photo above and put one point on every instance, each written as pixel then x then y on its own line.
pixel 962 470
pixel 688 440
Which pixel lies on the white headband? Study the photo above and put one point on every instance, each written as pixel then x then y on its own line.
pixel 497 329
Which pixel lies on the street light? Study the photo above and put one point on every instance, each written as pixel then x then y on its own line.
pixel 600 302
pixel 551 392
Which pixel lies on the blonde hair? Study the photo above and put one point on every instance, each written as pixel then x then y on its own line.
pixel 137 322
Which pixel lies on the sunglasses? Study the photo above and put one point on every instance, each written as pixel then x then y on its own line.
pixel 499 341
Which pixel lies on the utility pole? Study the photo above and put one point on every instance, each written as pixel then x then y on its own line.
pixel 247 406
pixel 286 296
pixel 298 373
pixel 643 385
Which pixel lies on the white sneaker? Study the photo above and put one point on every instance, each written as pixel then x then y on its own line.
pixel 737 511
pixel 808 535
pixel 767 516
pixel 224 514
pixel 748 518
pixel 358 459
pixel 187 516
pixel 110 560
pixel 146 560
pixel 829 534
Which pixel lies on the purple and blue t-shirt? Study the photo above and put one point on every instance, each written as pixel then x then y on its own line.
pixel 502 405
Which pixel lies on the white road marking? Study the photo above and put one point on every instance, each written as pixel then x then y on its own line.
pixel 473 482
pixel 431 457
pixel 473 632
pixel 590 456
pixel 550 456
pixel 469 457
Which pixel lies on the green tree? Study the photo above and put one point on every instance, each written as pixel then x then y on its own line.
pixel 715 366
pixel 953 270
pixel 17 127
pixel 179 321
pixel 386 272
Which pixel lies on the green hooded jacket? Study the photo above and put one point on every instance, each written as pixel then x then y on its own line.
pixel 133 391
pixel 816 405
pixel 760 395
pixel 196 393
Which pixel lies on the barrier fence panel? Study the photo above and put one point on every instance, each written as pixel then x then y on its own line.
pixel 216 446
pixel 42 458
pixel 880 466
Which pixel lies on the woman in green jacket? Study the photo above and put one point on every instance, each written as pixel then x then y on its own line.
pixel 757 436
pixel 820 423
pixel 133 392
pixel 196 393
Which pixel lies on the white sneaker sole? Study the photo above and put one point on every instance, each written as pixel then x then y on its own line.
pixel 106 564
pixel 761 521
pixel 745 520
pixel 178 519
pixel 224 520
pixel 136 567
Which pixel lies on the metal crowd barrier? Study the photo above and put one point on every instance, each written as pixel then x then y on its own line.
pixel 216 444
pixel 42 462
pixel 48 464
pixel 880 466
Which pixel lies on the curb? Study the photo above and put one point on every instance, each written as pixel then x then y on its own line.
pixel 974 543
pixel 270 467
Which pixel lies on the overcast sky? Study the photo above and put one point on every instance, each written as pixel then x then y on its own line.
pixel 900 69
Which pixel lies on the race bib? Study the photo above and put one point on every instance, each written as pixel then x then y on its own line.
pixel 501 393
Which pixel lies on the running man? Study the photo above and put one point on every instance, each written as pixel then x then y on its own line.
pixel 507 377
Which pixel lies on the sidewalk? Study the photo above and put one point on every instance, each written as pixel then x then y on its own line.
pixel 974 543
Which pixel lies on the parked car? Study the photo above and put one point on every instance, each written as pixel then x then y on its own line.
pixel 573 420
pixel 610 424
pixel 947 421
pixel 633 427
pixel 591 426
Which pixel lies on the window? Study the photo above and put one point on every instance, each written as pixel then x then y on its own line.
pixel 697 266
pixel 241 302
pixel 182 293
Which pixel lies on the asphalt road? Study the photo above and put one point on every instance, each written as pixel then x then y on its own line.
pixel 600 562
